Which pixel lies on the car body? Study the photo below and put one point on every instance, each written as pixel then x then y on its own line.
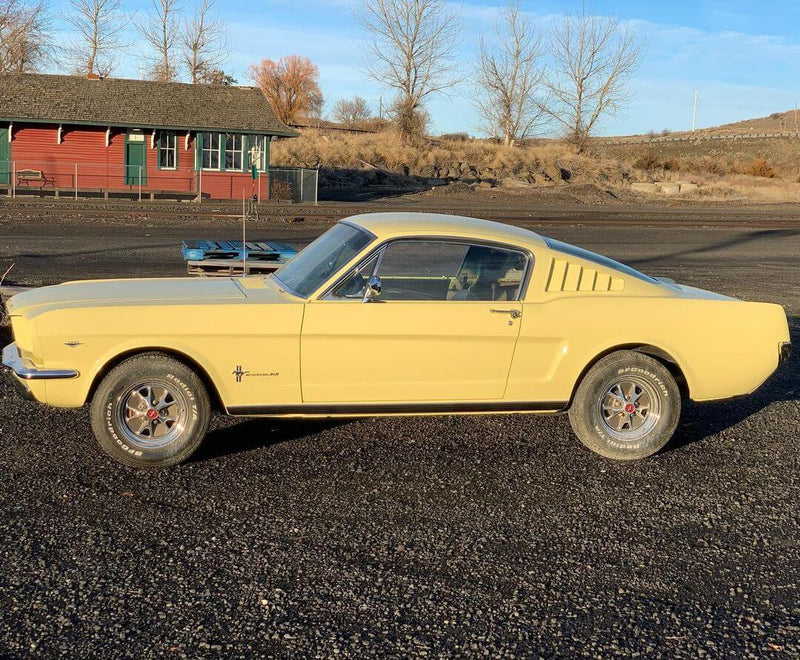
pixel 521 343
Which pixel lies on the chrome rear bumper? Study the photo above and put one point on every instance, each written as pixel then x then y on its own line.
pixel 15 363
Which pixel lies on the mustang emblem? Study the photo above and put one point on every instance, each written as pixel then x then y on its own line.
pixel 238 372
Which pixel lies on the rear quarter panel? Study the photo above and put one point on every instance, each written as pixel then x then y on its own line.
pixel 724 348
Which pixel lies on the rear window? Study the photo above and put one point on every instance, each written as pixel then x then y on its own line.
pixel 600 260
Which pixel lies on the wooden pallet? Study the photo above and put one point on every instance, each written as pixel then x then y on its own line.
pixel 224 258
pixel 229 267
pixel 204 249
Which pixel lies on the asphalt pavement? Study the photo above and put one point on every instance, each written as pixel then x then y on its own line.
pixel 489 535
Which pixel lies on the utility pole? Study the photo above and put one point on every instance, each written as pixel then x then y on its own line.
pixel 694 110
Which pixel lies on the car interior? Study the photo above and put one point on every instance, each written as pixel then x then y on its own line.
pixel 430 271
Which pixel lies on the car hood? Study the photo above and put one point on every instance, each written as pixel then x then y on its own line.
pixel 149 291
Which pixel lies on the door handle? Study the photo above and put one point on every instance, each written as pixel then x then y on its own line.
pixel 515 313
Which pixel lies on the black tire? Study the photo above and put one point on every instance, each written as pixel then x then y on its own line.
pixel 601 413
pixel 122 417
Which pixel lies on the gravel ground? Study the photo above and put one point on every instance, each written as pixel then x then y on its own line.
pixel 439 535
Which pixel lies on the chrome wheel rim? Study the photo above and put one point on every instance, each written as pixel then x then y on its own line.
pixel 630 409
pixel 151 414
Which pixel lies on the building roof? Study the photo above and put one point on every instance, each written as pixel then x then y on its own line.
pixel 400 223
pixel 136 104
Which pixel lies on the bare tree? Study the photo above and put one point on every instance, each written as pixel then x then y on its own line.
pixel 24 36
pixel 411 45
pixel 291 86
pixel 99 25
pixel 594 58
pixel 351 112
pixel 316 111
pixel 510 77
pixel 204 44
pixel 160 32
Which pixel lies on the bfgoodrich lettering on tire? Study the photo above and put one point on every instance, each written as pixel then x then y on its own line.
pixel 626 407
pixel 150 410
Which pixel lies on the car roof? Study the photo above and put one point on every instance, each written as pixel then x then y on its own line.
pixel 391 225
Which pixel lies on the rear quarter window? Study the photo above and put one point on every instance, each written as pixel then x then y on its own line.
pixel 599 259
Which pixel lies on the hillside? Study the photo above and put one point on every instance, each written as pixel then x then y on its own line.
pixel 776 123
pixel 762 169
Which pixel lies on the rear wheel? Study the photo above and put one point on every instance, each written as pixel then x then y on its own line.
pixel 150 410
pixel 626 407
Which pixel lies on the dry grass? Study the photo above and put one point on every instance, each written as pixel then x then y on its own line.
pixel 757 170
pixel 743 187
pixel 454 158
pixel 764 171
pixel 719 157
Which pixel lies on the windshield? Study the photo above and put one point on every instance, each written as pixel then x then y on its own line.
pixel 600 260
pixel 306 272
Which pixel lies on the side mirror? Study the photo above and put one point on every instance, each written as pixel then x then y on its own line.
pixel 373 289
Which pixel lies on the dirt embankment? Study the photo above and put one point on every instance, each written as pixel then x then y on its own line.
pixel 357 160
pixel 754 170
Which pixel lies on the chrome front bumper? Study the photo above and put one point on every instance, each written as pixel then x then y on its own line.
pixel 14 362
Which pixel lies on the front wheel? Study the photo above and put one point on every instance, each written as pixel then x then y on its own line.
pixel 626 407
pixel 150 410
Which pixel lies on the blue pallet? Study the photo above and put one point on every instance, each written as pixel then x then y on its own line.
pixel 201 249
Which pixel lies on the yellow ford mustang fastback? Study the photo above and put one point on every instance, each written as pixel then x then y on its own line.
pixel 389 314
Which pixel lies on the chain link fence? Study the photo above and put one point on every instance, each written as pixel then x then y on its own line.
pixel 66 180
pixel 295 184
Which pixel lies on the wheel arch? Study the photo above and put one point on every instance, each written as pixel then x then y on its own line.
pixel 655 352
pixel 211 387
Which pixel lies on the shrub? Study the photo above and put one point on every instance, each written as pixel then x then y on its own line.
pixel 280 191
pixel 455 137
pixel 646 161
pixel 711 166
pixel 761 167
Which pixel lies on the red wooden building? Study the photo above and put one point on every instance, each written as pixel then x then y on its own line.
pixel 113 135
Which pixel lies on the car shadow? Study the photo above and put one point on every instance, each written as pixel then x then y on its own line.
pixel 248 434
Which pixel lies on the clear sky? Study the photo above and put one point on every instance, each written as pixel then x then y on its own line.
pixel 742 57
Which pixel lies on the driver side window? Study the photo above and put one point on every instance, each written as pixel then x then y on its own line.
pixel 420 270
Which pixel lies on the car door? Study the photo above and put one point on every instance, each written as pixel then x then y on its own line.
pixel 443 328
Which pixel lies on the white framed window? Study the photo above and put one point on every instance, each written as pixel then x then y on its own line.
pixel 167 150
pixel 258 151
pixel 234 152
pixel 211 148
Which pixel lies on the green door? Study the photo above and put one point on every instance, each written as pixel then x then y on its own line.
pixel 135 159
pixel 5 157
